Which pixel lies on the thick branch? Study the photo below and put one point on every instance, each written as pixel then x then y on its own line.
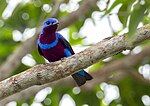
pixel 44 73
pixel 103 72
pixel 13 60
pixel 30 92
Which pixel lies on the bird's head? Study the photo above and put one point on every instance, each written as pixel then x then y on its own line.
pixel 50 25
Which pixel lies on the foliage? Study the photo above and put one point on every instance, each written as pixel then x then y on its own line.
pixel 32 14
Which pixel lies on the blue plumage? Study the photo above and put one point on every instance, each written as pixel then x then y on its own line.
pixel 49 45
pixel 53 46
pixel 67 52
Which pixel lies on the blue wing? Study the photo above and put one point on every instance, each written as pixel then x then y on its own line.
pixel 68 49
pixel 81 76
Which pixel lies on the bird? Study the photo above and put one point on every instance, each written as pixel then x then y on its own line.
pixel 53 47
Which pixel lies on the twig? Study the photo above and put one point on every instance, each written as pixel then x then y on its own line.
pixel 55 9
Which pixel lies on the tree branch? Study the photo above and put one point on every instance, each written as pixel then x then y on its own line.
pixel 13 60
pixel 137 76
pixel 68 81
pixel 85 7
pixel 45 73
pixel 103 72
pixel 55 10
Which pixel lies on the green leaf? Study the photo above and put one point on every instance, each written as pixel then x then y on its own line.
pixel 136 16
pixel 73 32
pixel 7 45
pixel 124 12
pixel 24 15
pixel 117 2
pixel 131 91
pixel 3 5
pixel 88 97
pixel 146 20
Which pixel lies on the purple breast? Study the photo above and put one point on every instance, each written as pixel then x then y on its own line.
pixel 55 53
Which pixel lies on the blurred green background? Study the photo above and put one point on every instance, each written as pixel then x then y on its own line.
pixel 20 20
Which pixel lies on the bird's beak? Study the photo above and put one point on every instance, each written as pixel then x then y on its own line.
pixel 56 23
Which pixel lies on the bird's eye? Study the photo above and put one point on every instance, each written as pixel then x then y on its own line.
pixel 47 22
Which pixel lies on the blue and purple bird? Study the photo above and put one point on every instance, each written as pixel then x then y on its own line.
pixel 53 46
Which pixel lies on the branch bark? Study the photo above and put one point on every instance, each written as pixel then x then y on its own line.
pixel 45 73
pixel 13 60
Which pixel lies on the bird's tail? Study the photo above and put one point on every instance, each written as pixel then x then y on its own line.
pixel 81 77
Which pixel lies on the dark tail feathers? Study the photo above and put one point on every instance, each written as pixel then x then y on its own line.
pixel 80 79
